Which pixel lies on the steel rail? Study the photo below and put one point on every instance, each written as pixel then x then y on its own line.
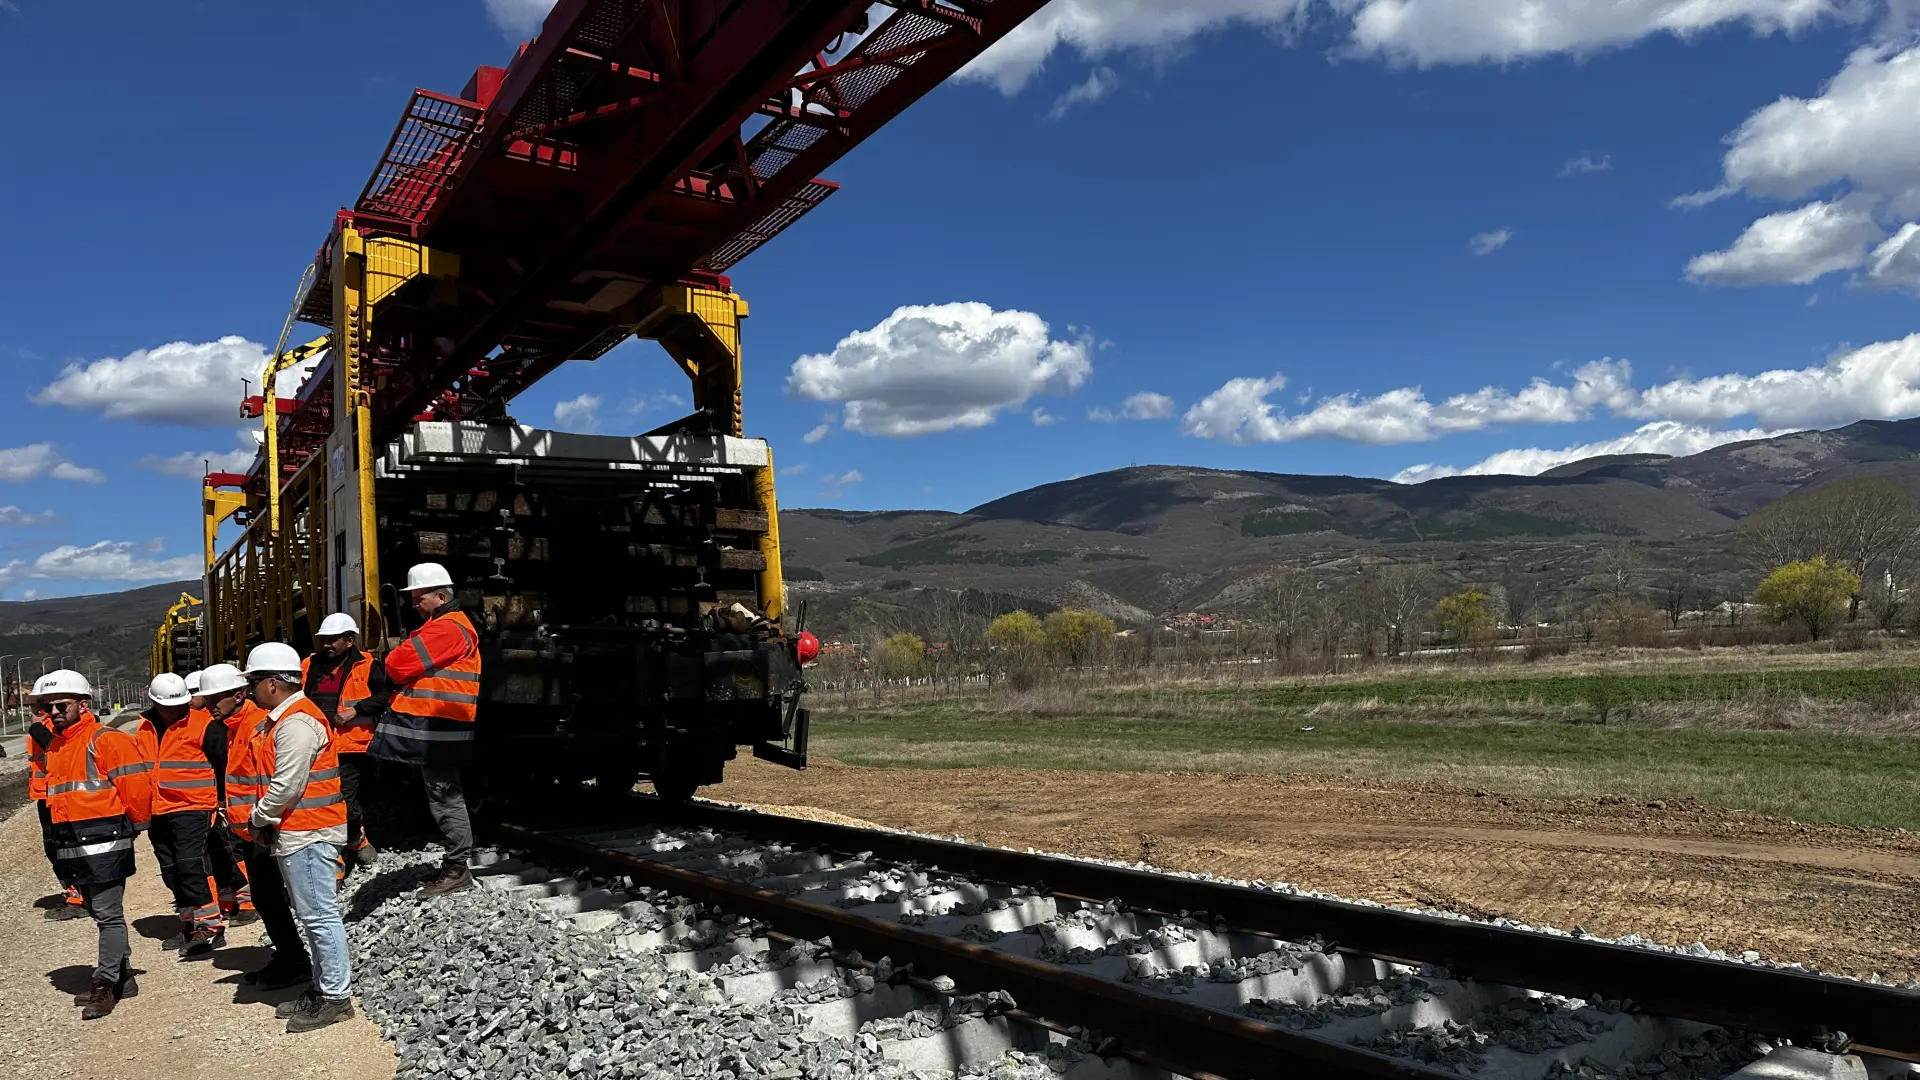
pixel 1198 1039
pixel 1807 1008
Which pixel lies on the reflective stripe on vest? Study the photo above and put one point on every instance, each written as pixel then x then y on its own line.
pixel 321 805
pixel 85 850
pixel 183 777
pixel 451 692
pixel 93 795
pixel 244 782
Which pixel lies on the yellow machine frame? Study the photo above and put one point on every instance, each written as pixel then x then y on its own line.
pixel 160 658
pixel 272 584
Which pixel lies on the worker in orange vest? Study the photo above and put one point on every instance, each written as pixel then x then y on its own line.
pixel 190 763
pixel 350 687
pixel 436 679
pixel 301 816
pixel 225 690
pixel 39 734
pixel 229 873
pixel 99 797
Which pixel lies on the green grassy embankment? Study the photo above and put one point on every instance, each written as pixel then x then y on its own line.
pixel 1840 745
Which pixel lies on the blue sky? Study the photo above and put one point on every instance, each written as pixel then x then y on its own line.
pixel 1383 237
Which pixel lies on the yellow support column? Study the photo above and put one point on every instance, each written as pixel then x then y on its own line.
pixel 700 329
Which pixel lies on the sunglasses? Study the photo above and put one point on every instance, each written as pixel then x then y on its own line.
pixel 48 708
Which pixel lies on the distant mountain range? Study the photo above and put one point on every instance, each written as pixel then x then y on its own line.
pixel 1143 542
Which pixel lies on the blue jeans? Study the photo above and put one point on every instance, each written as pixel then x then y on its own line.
pixel 309 874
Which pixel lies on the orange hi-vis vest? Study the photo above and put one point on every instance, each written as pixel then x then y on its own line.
pixel 36 768
pixel 351 738
pixel 182 776
pixel 245 781
pixel 99 798
pixel 449 690
pixel 321 805
pixel 148 737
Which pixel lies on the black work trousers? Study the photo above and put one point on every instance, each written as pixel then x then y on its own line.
pixel 270 900
pixel 180 842
pixel 355 770
pixel 46 840
pixel 223 859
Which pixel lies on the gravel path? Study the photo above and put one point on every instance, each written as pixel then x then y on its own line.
pixel 191 1020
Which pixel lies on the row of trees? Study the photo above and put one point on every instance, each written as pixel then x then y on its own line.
pixel 1070 636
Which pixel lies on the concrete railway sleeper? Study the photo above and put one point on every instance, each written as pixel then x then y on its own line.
pixel 1807 1008
pixel 1152 995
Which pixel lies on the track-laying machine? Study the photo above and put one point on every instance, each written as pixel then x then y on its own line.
pixel 597 188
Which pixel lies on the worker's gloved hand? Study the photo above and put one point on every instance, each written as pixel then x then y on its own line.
pixel 41 734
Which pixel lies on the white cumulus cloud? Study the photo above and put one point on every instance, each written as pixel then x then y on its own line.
pixel 578 413
pixel 1855 137
pixel 1487 243
pixel 1895 264
pixel 1100 82
pixel 177 383
pixel 816 433
pixel 1792 247
pixel 1419 32
pixel 518 18
pixel 1659 437
pixel 107 560
pixel 20 464
pixel 1585 163
pixel 13 515
pixel 1880 381
pixel 1146 405
pixel 192 464
pixel 927 369
pixel 1239 411
pixel 1429 32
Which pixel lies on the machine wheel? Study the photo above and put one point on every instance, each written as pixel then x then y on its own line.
pixel 675 787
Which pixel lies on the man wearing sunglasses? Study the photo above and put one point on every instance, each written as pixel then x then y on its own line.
pixel 304 813
pixel 99 797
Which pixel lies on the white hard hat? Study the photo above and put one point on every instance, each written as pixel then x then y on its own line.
pixel 273 658
pixel 63 681
pixel 168 689
pixel 193 682
pixel 427 575
pixel 337 624
pixel 221 679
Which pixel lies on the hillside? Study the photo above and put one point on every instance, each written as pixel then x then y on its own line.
pixel 1147 541
pixel 112 632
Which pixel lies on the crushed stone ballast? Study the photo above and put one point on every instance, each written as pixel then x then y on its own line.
pixel 978 977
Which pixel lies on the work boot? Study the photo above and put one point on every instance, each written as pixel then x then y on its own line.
pixel 324 1011
pixel 127 988
pixel 243 917
pixel 202 942
pixel 100 1000
pixel 445 880
pixel 177 941
pixel 278 976
pixel 286 1009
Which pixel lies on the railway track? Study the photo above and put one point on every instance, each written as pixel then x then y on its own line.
pixel 1146 974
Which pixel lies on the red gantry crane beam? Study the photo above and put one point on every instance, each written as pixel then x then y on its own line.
pixel 633 144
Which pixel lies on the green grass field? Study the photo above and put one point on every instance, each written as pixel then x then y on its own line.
pixel 1821 745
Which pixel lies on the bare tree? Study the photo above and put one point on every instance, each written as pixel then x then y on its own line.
pixel 1676 593
pixel 1286 607
pixel 1867 525
pixel 1406 593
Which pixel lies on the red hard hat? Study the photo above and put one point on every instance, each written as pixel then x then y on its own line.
pixel 808 647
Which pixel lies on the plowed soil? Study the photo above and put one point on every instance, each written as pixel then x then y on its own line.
pixel 1837 899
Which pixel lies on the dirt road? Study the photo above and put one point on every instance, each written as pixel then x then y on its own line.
pixel 191 1020
pixel 1836 899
